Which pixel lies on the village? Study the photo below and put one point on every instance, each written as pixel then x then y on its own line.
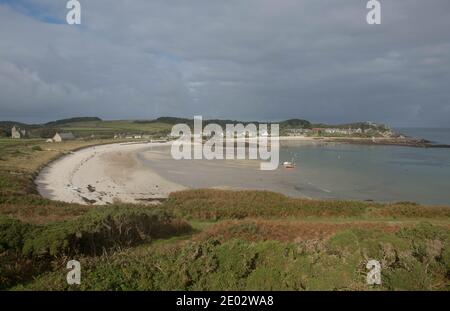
pixel 339 132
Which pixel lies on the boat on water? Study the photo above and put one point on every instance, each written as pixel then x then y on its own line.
pixel 288 164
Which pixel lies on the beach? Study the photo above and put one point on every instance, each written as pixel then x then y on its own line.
pixel 102 175
pixel 146 173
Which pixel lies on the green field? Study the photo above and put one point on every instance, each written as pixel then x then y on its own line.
pixel 116 126
pixel 98 128
pixel 211 239
pixel 7 143
pixel 107 129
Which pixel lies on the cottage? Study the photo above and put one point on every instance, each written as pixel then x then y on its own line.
pixel 60 137
pixel 17 133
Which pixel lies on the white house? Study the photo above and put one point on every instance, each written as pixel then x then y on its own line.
pixel 60 137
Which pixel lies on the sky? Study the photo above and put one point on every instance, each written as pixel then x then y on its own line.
pixel 264 60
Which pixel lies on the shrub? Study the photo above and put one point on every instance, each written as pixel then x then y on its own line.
pixel 338 264
pixel 12 233
pixel 28 250
pixel 101 229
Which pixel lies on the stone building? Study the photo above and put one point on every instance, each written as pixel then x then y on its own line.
pixel 18 133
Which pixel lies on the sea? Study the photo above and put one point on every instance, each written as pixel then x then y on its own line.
pixel 331 171
pixel 378 173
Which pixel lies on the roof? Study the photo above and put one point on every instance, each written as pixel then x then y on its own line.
pixel 66 135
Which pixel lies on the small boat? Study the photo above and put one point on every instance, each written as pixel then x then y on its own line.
pixel 288 164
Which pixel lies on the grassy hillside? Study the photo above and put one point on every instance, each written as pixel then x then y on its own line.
pixel 93 126
pixel 72 120
pixel 111 127
pixel 86 127
pixel 211 239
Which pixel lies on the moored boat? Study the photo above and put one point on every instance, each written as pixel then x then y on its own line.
pixel 288 164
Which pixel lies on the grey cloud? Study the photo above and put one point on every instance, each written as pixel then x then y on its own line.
pixel 253 59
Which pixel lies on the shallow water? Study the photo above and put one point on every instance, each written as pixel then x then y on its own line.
pixel 380 173
pixel 326 171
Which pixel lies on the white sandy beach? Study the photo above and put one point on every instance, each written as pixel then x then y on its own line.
pixel 104 174
pixel 121 172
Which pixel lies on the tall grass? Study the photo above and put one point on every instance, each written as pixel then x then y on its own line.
pixel 211 204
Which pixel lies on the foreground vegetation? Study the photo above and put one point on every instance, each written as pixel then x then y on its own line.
pixel 211 239
pixel 412 259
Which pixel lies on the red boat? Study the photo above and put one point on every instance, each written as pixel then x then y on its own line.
pixel 289 164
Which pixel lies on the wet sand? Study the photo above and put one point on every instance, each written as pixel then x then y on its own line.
pixel 229 174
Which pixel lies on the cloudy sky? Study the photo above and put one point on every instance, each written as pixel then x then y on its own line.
pixel 239 59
